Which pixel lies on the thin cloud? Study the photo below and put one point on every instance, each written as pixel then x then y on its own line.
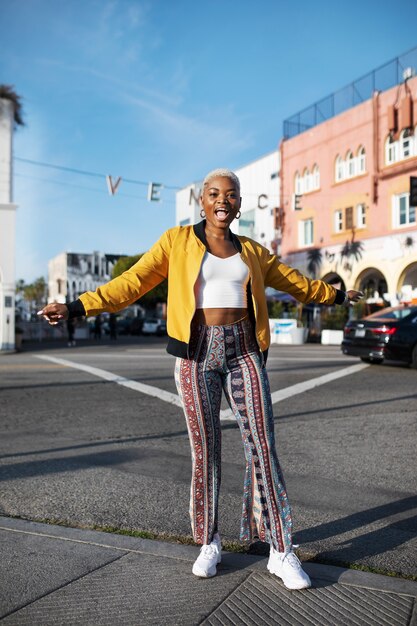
pixel 109 78
pixel 182 129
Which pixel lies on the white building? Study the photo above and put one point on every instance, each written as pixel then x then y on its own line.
pixel 7 228
pixel 70 274
pixel 259 187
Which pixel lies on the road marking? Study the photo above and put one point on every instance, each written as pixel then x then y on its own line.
pixel 293 390
pixel 162 355
pixel 282 394
pixel 108 355
pixel 323 359
pixel 171 398
pixel 29 366
pixel 155 392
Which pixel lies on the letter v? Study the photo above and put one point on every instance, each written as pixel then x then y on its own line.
pixel 113 185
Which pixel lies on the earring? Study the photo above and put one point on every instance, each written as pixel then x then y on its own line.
pixel 202 213
pixel 238 214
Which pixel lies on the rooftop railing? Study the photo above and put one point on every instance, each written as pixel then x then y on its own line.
pixel 380 79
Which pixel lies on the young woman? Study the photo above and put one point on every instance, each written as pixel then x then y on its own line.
pixel 219 331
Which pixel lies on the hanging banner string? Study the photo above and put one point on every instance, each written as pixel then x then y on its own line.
pixel 154 189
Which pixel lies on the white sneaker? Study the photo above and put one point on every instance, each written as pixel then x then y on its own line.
pixel 210 556
pixel 286 566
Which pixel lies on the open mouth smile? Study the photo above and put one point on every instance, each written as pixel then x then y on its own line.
pixel 221 213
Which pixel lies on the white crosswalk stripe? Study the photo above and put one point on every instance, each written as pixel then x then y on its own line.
pixel 172 398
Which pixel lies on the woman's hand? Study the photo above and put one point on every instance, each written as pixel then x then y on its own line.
pixel 54 313
pixel 354 296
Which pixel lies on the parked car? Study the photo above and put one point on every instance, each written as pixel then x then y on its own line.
pixel 123 325
pixel 388 334
pixel 154 326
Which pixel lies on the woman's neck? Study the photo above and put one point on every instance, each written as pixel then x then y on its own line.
pixel 223 235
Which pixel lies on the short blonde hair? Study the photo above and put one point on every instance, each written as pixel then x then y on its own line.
pixel 221 173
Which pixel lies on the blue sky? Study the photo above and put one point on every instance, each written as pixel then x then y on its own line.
pixel 164 91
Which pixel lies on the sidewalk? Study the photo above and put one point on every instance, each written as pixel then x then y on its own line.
pixel 52 575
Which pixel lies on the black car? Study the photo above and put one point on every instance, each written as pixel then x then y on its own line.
pixel 388 334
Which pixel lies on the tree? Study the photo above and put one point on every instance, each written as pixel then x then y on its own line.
pixel 314 256
pixel 7 92
pixel 155 295
pixel 20 286
pixel 35 292
pixel 351 250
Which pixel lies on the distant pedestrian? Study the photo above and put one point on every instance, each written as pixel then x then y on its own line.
pixel 113 326
pixel 71 331
pixel 97 327
pixel 218 329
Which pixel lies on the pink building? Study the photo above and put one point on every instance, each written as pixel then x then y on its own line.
pixel 345 213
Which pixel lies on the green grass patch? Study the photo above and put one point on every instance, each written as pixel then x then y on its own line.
pixel 257 548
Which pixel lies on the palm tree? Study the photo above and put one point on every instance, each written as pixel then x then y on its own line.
pixel 352 249
pixel 7 92
pixel 314 256
pixel 345 251
pixel 35 293
pixel 20 285
pixel 356 249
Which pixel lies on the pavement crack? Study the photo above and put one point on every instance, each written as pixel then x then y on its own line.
pixel 63 586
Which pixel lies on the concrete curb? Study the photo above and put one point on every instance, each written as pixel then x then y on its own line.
pixel 230 560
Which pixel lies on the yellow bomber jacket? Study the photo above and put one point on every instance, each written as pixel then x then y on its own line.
pixel 178 255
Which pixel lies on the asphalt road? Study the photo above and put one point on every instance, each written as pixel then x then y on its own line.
pixel 80 449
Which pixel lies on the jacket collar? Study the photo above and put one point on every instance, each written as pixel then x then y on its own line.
pixel 200 233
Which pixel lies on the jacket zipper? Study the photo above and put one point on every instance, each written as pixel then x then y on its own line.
pixel 189 338
pixel 255 312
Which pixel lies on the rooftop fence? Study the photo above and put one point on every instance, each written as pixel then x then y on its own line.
pixel 384 77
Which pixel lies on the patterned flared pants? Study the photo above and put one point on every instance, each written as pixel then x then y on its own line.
pixel 228 358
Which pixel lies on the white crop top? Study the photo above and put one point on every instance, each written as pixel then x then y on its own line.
pixel 222 283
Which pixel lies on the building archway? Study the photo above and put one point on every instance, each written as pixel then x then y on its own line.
pixel 332 278
pixel 372 282
pixel 407 283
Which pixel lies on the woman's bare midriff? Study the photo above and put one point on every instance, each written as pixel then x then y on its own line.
pixel 218 317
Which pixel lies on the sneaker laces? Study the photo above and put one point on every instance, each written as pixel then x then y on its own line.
pixel 209 551
pixel 292 559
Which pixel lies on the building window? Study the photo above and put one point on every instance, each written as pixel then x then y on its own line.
pixel 306 181
pixel 403 213
pixel 297 184
pixel 306 232
pixel 339 168
pixel 361 160
pixel 391 150
pixel 316 177
pixel 247 223
pixel 350 165
pixel 406 144
pixel 349 218
pixel 346 219
pixel 309 181
pixel 360 216
pixel 338 221
pixel 403 148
